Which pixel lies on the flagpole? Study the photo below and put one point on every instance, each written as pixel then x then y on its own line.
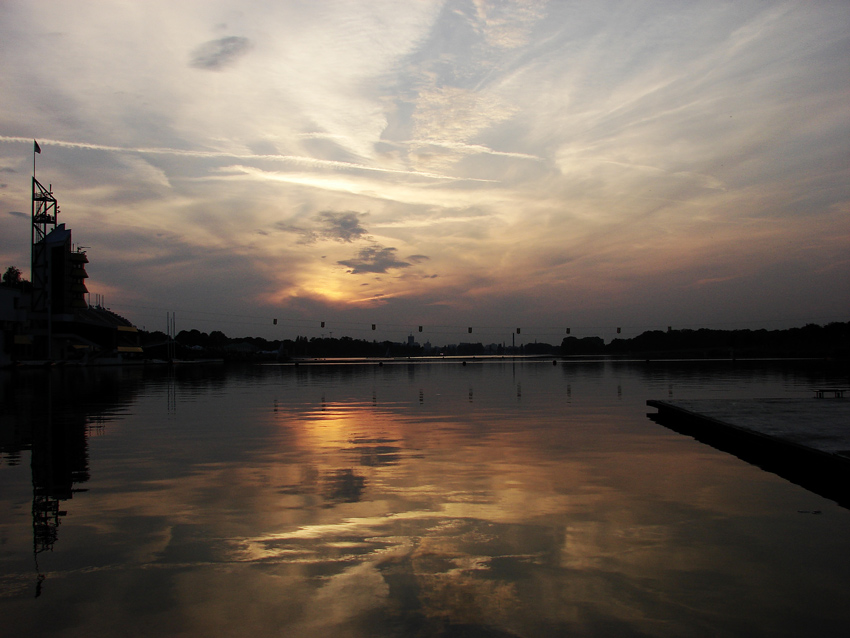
pixel 35 149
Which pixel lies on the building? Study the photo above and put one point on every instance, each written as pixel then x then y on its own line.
pixel 50 320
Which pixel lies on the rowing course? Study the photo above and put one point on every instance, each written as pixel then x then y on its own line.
pixel 806 441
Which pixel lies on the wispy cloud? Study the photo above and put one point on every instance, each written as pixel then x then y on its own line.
pixel 549 158
pixel 469 149
pixel 294 159
pixel 217 54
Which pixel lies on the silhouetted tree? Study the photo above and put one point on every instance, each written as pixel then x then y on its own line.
pixel 12 277
pixel 218 338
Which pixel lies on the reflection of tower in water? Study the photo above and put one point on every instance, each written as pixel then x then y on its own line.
pixel 59 460
pixel 56 438
pixel 52 413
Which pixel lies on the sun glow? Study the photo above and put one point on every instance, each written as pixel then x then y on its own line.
pixel 547 160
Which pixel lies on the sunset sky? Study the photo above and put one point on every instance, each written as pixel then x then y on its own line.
pixel 449 164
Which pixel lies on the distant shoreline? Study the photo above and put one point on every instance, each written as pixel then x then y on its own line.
pixel 831 341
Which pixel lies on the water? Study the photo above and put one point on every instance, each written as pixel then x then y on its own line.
pixel 492 499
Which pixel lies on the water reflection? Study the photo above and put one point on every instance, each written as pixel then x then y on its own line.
pixel 494 499
pixel 52 414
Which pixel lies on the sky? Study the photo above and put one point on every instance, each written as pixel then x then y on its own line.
pixel 451 164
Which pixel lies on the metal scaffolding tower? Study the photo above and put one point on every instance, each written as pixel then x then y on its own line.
pixel 45 210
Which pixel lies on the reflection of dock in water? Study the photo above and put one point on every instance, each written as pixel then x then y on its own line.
pixel 806 441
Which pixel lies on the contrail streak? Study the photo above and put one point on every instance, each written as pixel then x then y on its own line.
pixel 471 148
pixel 296 159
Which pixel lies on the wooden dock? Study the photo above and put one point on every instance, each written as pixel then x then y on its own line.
pixel 806 441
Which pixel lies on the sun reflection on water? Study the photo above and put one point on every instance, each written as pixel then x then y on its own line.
pixel 385 502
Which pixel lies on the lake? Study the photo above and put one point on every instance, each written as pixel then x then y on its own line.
pixel 492 498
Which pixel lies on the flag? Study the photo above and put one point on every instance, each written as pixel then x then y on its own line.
pixel 35 147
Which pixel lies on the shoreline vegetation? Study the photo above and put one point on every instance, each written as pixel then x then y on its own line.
pixel 812 341
pixel 831 341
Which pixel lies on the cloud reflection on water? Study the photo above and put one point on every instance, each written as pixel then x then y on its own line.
pixel 329 501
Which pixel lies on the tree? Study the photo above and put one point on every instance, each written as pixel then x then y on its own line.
pixel 218 339
pixel 12 277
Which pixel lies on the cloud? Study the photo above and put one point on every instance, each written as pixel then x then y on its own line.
pixel 16 213
pixel 300 160
pixel 342 227
pixel 562 158
pixel 217 54
pixel 456 113
pixel 374 259
pixel 470 149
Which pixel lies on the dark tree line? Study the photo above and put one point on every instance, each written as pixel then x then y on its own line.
pixel 831 340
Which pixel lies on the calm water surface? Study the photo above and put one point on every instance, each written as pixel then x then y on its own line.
pixel 493 499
